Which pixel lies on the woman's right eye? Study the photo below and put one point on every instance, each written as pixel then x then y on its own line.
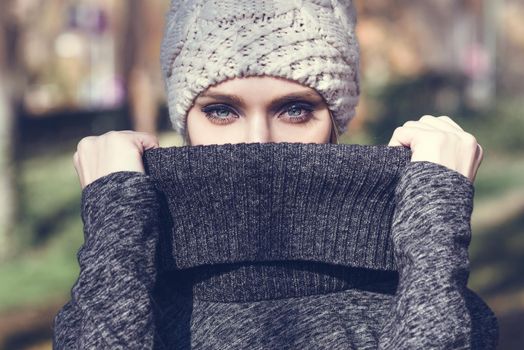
pixel 219 114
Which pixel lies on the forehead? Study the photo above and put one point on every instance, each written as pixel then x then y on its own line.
pixel 262 85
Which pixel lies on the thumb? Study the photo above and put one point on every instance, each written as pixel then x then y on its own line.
pixel 147 141
pixel 402 137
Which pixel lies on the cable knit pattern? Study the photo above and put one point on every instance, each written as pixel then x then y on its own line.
pixel 312 42
pixel 134 293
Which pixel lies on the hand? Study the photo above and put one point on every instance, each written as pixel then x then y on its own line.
pixel 442 141
pixel 97 156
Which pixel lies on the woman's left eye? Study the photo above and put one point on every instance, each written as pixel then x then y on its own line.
pixel 219 114
pixel 298 112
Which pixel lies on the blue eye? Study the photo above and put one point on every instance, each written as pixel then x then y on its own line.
pixel 295 112
pixel 218 113
pixel 298 112
pixel 295 109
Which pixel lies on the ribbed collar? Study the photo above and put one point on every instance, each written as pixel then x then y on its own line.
pixel 254 202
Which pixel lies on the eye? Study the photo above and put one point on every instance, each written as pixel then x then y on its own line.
pixel 220 114
pixel 298 112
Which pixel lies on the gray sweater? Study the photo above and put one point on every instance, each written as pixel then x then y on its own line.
pixel 276 246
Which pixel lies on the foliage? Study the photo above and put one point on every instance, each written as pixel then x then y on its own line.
pixel 497 127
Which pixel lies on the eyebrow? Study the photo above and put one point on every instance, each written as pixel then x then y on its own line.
pixel 237 100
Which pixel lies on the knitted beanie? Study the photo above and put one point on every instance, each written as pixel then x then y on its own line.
pixel 311 42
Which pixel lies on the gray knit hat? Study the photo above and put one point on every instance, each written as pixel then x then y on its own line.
pixel 312 42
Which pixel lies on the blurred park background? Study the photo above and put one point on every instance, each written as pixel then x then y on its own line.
pixel 73 68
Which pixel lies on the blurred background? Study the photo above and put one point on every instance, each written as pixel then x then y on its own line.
pixel 73 68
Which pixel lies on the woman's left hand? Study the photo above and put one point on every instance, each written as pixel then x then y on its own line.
pixel 440 140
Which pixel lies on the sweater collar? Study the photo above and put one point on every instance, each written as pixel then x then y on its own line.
pixel 262 202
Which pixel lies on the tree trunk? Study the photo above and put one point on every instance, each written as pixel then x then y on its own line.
pixel 8 193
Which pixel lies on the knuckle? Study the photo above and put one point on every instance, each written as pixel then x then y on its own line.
pixel 426 116
pixel 112 135
pixel 440 136
pixel 397 130
pixel 469 139
pixel 84 142
pixel 481 152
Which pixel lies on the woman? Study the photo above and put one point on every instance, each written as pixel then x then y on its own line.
pixel 261 232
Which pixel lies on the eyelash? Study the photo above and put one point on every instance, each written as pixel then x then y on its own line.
pixel 208 110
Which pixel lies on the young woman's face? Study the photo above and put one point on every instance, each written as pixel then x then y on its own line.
pixel 258 109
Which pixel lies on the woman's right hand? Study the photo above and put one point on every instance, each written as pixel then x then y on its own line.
pixel 97 156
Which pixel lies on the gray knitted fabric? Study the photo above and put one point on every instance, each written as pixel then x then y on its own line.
pixel 276 246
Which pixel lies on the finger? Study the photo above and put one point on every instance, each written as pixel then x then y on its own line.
pixel 75 159
pixel 417 124
pixel 133 132
pixel 406 135
pixel 439 123
pixel 76 163
pixel 451 121
pixel 479 156
pixel 146 141
pixel 477 160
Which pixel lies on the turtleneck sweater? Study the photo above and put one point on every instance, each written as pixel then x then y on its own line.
pixel 276 245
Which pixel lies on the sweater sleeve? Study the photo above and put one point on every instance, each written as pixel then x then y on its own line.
pixel 433 308
pixel 111 305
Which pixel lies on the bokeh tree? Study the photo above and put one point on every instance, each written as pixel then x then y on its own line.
pixel 9 85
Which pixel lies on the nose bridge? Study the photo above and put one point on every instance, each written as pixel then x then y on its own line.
pixel 258 125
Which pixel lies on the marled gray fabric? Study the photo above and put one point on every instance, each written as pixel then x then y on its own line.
pixel 129 295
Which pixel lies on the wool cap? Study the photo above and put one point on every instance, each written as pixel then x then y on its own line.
pixel 311 42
